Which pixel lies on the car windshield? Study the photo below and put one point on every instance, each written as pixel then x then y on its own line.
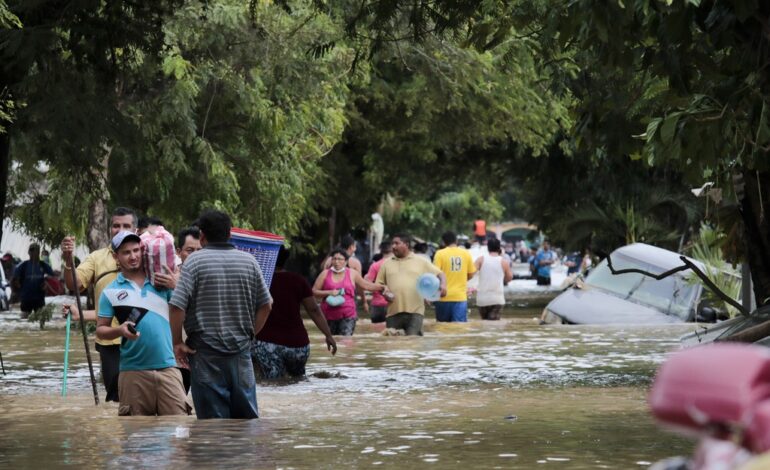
pixel 673 295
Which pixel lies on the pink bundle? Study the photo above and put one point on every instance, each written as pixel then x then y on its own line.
pixel 158 249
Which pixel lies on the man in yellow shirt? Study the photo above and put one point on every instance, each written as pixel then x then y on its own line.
pixel 406 308
pixel 457 264
pixel 99 269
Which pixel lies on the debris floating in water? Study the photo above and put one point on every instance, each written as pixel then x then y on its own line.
pixel 512 417
pixel 182 432
pixel 323 374
pixel 393 332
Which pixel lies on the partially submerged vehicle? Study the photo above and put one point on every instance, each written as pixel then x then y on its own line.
pixel 5 291
pixel 636 284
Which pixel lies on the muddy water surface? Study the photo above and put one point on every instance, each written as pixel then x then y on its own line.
pixel 507 394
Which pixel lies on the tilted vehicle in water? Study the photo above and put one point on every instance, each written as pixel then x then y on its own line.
pixel 636 284
pixel 5 292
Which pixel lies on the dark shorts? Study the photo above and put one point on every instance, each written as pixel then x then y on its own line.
pixel 31 305
pixel 275 361
pixel 109 358
pixel 378 313
pixel 223 385
pixel 411 323
pixel 490 312
pixel 343 326
pixel 451 311
pixel 543 281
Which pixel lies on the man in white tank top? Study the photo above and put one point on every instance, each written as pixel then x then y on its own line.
pixel 494 273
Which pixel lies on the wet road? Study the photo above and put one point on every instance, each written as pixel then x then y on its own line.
pixel 507 394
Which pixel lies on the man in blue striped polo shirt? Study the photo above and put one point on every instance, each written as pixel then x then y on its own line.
pixel 223 301
pixel 149 382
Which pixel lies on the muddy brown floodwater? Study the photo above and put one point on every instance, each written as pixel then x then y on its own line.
pixel 506 394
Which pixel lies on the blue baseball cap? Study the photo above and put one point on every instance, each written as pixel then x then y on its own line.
pixel 122 237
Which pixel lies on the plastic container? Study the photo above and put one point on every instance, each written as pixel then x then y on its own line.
pixel 714 390
pixel 428 287
pixel 263 246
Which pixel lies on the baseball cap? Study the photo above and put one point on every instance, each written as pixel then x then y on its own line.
pixel 122 237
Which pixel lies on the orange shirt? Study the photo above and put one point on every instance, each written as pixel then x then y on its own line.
pixel 480 228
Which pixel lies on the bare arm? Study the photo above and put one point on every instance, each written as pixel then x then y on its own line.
pixel 318 285
pixel 181 351
pixel 355 266
pixel 176 319
pixel 506 271
pixel 364 284
pixel 261 317
pixel 315 314
pixel 72 309
pixel 67 248
pixel 107 332
pixel 442 283
pixel 472 269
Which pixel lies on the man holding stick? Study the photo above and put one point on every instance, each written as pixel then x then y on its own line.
pixel 223 301
pixel 98 270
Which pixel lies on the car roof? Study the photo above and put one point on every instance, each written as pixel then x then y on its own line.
pixel 654 255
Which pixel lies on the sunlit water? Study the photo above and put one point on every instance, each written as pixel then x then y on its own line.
pixel 506 394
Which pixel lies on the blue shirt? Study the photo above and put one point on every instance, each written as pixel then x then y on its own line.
pixel 31 277
pixel 147 307
pixel 544 270
pixel 575 258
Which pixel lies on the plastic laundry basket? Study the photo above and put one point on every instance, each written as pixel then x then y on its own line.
pixel 263 245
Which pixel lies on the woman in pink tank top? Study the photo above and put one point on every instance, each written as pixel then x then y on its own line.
pixel 340 281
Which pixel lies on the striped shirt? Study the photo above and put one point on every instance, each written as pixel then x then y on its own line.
pixel 220 291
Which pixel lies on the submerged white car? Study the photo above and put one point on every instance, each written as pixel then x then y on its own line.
pixel 5 291
pixel 632 298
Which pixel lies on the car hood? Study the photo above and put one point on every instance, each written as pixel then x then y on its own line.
pixel 595 306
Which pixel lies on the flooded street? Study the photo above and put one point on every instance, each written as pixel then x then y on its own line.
pixel 507 394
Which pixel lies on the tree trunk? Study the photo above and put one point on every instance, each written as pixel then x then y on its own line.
pixel 5 169
pixel 757 231
pixel 332 223
pixel 98 216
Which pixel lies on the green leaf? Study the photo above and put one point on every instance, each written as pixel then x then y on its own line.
pixel 668 129
pixel 763 129
pixel 652 128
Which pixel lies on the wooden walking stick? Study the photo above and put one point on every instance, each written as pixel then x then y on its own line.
pixel 83 329
pixel 1 363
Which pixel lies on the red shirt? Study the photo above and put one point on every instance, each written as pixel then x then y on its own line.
pixel 284 324
pixel 377 299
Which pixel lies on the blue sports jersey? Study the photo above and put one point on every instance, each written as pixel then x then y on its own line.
pixel 148 309
pixel 544 270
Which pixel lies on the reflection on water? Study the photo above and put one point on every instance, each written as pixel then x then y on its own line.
pixel 507 394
